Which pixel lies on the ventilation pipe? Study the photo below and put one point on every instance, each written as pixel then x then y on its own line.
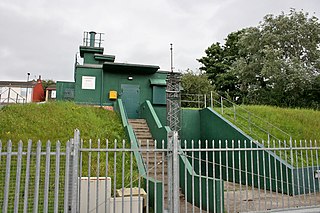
pixel 92 38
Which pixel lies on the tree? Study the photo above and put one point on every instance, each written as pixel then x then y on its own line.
pixel 279 58
pixel 217 64
pixel 194 84
pixel 274 63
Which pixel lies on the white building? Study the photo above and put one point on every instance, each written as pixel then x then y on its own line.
pixel 16 91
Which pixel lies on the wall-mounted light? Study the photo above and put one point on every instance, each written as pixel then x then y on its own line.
pixel 130 78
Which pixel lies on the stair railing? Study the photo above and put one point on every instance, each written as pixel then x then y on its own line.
pixel 255 126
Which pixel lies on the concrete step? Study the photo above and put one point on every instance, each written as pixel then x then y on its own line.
pixel 142 133
pixel 136 120
pixel 144 137
pixel 140 126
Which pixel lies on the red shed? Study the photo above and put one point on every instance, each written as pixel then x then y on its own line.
pixel 38 92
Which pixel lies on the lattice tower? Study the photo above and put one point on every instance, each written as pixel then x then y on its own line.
pixel 173 101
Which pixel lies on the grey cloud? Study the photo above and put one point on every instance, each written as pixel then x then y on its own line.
pixel 42 36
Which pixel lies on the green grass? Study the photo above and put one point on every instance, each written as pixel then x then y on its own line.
pixel 56 121
pixel 301 124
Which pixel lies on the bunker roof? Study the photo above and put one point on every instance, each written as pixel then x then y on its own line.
pixel 130 68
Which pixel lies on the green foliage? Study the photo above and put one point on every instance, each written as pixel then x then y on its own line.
pixel 279 59
pixel 47 83
pixel 217 64
pixel 57 121
pixel 192 84
pixel 275 63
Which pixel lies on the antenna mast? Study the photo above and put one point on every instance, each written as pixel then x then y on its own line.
pixel 171 54
pixel 173 121
pixel 173 97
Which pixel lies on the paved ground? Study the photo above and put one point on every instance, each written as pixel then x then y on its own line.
pixel 239 199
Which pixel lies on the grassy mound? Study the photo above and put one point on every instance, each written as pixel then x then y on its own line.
pixel 57 121
pixel 301 124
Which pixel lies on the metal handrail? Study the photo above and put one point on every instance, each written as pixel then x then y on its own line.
pixel 225 104
pixel 251 115
pixel 257 117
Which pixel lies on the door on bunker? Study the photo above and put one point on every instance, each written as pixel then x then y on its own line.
pixel 131 99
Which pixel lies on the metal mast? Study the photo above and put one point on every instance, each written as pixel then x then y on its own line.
pixel 173 98
pixel 173 121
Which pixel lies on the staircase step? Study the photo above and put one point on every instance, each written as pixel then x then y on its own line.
pixel 145 139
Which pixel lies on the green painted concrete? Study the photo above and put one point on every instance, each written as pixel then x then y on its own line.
pixel 65 91
pixel 161 112
pixel 208 125
pixel 154 195
pixel 215 128
pixel 215 186
pixel 158 131
pixel 87 53
pixel 310 184
pixel 190 123
pixel 88 96
pixel 111 76
pixel 106 81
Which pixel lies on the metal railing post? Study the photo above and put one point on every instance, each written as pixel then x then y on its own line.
pixel 249 122
pixel 221 103
pixel 75 201
pixel 211 100
pixel 234 113
pixel 8 95
pixel 205 100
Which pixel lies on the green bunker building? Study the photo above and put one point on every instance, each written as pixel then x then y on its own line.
pixel 101 81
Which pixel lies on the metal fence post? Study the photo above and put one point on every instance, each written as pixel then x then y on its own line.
pixel 7 178
pixel 75 201
pixel 170 175
pixel 66 178
pixel 173 172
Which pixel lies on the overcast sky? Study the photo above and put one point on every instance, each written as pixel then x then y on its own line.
pixel 43 36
